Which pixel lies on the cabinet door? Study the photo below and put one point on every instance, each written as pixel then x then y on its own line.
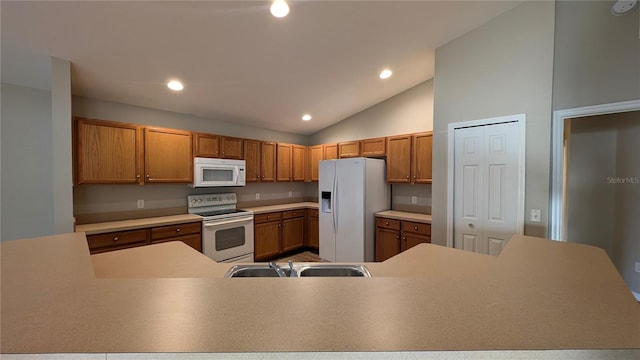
pixel 252 160
pixel 410 240
pixel 399 159
pixel 374 147
pixel 292 234
pixel 167 156
pixel 297 162
pixel 266 240
pixel 268 161
pixel 107 152
pixel 231 148
pixel 313 230
pixel 316 154
pixel 387 243
pixel 206 145
pixel 283 169
pixel 330 151
pixel 422 157
pixel 349 149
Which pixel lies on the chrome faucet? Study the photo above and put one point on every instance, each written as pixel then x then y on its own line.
pixel 277 268
pixel 292 272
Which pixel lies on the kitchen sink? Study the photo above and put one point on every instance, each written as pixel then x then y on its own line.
pixel 334 271
pixel 299 270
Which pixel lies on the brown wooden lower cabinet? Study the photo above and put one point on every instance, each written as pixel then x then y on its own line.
pixel 395 236
pixel 313 229
pixel 189 233
pixel 279 232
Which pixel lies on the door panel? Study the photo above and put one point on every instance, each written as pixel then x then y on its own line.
pixel 486 177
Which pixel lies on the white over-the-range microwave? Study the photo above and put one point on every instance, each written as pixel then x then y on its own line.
pixel 210 172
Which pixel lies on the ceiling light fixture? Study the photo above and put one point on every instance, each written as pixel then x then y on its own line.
pixel 623 7
pixel 306 117
pixel 385 74
pixel 175 85
pixel 279 8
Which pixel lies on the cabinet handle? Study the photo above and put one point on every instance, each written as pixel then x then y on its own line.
pixel 414 176
pixel 116 238
pixel 407 176
pixel 279 225
pixel 398 237
pixel 138 176
pixel 415 228
pixel 404 238
pixel 294 213
pixel 386 223
pixel 178 230
pixel 148 176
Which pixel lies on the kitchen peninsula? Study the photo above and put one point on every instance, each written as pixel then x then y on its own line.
pixel 538 294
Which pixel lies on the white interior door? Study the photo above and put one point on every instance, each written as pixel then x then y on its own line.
pixel 486 178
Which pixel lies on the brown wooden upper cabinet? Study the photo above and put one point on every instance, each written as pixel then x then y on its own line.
pixel 315 154
pixel 107 152
pixel 283 160
pixel 409 158
pixel 349 149
pixel 206 145
pixel 298 162
pixel 167 155
pixel 330 151
pixel 216 146
pixel 422 151
pixel 260 160
pixel 374 147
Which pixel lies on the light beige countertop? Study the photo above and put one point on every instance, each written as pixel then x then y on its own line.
pixel 104 227
pixel 538 294
pixel 282 207
pixel 404 215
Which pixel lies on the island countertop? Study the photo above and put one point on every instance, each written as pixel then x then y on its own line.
pixel 538 294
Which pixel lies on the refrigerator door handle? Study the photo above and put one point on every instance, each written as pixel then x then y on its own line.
pixel 334 193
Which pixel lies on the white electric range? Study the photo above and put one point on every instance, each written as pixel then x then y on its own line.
pixel 227 232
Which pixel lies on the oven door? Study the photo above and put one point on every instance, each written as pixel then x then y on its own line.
pixel 227 239
pixel 217 175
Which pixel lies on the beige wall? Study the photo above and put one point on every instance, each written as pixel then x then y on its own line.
pixel 626 248
pixel 410 111
pixel 590 199
pixel 597 55
pixel 502 68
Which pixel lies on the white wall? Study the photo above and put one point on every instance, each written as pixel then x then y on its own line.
pixel 408 112
pixel 591 200
pixel 626 248
pixel 27 166
pixel 502 68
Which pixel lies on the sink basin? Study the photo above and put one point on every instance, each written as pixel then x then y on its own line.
pixel 334 271
pixel 301 270
pixel 253 271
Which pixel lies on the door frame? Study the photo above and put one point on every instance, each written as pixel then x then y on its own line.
pixel 556 200
pixel 521 120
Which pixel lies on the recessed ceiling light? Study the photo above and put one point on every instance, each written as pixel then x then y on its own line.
pixel 175 85
pixel 279 8
pixel 306 117
pixel 385 74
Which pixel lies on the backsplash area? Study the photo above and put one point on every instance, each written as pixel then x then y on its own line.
pixel 97 203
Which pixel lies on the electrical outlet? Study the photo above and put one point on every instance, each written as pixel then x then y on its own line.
pixel 257 196
pixel 414 199
pixel 535 215
pixel 290 193
pixel 638 266
pixel 140 204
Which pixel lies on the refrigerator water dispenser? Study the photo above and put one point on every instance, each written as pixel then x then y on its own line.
pixel 326 201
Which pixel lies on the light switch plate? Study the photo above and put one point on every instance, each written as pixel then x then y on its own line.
pixel 638 266
pixel 257 196
pixel 140 204
pixel 414 199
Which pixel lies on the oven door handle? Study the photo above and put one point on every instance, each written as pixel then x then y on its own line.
pixel 218 223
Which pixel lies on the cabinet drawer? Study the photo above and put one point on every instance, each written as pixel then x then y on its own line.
pixel 415 227
pixel 388 223
pixel 120 239
pixel 260 218
pixel 164 232
pixel 292 214
pixel 313 213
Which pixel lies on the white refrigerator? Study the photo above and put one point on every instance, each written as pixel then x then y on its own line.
pixel 350 192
